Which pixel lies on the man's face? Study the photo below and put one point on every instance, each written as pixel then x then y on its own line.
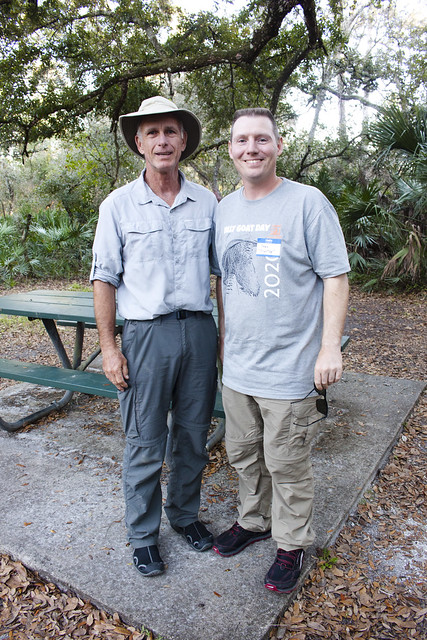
pixel 254 149
pixel 162 140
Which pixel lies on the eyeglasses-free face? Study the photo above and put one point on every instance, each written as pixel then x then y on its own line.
pixel 254 149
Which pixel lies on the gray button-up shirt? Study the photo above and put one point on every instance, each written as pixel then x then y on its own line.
pixel 158 257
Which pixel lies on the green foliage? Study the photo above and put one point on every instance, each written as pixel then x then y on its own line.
pixel 401 137
pixel 382 201
pixel 53 245
pixel 402 131
pixel 13 259
pixel 85 169
pixel 68 69
pixel 327 560
pixel 64 245
pixel 51 204
pixel 61 60
pixel 368 225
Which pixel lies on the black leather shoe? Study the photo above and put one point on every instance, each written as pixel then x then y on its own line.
pixel 196 535
pixel 147 561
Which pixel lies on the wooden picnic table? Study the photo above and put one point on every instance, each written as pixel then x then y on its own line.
pixel 69 308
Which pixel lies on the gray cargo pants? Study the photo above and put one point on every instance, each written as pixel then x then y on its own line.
pixel 172 362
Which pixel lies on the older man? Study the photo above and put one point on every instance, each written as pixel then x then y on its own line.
pixel 284 263
pixel 153 247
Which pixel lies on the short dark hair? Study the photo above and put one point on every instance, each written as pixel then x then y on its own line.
pixel 252 112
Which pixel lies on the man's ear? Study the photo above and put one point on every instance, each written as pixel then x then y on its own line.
pixel 280 146
pixel 229 149
pixel 139 144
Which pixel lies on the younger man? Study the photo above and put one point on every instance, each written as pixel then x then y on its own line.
pixel 284 262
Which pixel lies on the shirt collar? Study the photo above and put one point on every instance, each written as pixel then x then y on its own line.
pixel 146 195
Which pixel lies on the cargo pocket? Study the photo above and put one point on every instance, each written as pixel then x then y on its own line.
pixel 304 423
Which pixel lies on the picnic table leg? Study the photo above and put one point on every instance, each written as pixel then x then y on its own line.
pixel 83 365
pixel 63 356
pixel 78 345
pixel 217 435
pixel 37 415
pixel 52 331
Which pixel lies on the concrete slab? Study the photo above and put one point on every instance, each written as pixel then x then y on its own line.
pixel 62 510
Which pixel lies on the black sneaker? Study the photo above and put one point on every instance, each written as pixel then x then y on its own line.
pixel 197 536
pixel 147 561
pixel 285 571
pixel 236 539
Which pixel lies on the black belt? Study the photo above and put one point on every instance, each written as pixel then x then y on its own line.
pixel 181 314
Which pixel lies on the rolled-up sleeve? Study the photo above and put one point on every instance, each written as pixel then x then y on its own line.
pixel 107 264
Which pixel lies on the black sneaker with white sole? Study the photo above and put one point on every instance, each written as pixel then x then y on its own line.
pixel 147 561
pixel 196 535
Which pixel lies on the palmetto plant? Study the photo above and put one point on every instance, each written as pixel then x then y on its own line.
pixel 52 245
pixel 368 225
pixel 384 220
pixel 402 137
pixel 13 259
pixel 63 244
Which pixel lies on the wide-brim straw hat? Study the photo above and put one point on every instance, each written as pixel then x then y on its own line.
pixel 158 106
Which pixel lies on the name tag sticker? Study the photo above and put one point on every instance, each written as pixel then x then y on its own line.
pixel 268 247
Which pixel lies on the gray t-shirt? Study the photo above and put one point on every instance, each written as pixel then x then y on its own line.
pixel 273 254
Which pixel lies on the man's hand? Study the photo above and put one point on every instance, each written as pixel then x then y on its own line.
pixel 115 368
pixel 328 368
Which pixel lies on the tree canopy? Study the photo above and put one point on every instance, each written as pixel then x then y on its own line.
pixel 69 68
pixel 63 59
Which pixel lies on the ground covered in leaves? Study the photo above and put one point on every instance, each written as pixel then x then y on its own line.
pixel 369 585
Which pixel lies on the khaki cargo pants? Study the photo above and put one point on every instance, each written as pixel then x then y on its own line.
pixel 268 443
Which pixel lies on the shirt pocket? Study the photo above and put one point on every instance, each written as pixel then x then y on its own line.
pixel 143 241
pixel 197 234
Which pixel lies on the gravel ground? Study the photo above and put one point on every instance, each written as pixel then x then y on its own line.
pixel 370 584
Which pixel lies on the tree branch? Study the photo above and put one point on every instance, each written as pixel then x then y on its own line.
pixel 343 96
pixel 208 147
pixel 167 59
pixel 303 167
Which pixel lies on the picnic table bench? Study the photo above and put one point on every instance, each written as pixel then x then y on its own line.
pixel 75 309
